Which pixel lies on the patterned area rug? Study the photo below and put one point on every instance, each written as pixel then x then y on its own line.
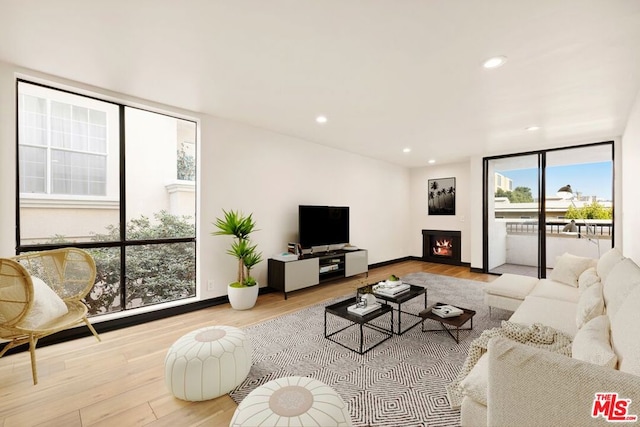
pixel 398 383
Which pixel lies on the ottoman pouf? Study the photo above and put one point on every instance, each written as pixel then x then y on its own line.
pixel 207 363
pixel 292 401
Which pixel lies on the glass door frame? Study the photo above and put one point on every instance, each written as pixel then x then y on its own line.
pixel 542 216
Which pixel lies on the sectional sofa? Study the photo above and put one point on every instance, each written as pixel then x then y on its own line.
pixel 597 304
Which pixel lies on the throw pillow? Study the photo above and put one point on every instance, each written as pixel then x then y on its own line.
pixel 568 268
pixel 607 261
pixel 47 306
pixel 591 343
pixel 590 304
pixel 587 278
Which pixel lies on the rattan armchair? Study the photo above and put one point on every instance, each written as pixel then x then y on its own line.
pixel 69 272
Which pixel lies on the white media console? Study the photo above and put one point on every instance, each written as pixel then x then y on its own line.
pixel 287 276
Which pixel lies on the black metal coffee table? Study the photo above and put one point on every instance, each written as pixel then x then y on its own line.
pixel 340 309
pixel 413 292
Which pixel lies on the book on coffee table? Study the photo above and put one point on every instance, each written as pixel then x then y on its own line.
pixel 390 290
pixel 446 311
pixel 361 311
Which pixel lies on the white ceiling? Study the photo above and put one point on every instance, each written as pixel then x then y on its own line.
pixel 388 74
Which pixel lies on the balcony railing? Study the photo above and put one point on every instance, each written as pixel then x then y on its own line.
pixel 600 228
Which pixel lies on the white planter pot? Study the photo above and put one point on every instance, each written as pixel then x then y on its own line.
pixel 243 298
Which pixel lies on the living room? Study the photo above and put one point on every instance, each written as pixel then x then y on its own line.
pixel 281 171
pixel 269 170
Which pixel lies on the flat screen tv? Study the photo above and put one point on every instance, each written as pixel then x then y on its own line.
pixel 323 225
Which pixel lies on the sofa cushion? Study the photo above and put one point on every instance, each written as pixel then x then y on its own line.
pixel 592 343
pixel 622 278
pixel 590 305
pixel 607 261
pixel 588 278
pixel 560 315
pixel 474 385
pixel 625 338
pixel 568 268
pixel 512 286
pixel 548 288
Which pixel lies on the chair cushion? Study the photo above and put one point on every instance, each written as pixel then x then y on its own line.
pixel 47 306
pixel 568 269
pixel 591 343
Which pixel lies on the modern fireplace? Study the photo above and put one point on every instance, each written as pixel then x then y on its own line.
pixel 441 246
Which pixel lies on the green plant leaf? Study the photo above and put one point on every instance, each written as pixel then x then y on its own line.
pixel 236 224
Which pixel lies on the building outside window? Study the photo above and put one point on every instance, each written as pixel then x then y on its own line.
pixel 122 189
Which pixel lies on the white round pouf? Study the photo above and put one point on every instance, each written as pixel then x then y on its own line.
pixel 207 363
pixel 292 401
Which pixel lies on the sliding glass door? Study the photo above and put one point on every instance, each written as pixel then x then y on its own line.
pixel 543 204
pixel 513 214
pixel 579 221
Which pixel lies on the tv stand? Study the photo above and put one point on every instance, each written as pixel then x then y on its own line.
pixel 312 269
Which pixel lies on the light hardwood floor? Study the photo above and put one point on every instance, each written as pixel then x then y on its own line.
pixel 120 381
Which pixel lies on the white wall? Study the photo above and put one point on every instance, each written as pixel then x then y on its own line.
pixel 254 170
pixel 421 220
pixel 630 199
pixel 7 161
pixel 270 174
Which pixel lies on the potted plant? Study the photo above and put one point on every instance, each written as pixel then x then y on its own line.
pixel 243 293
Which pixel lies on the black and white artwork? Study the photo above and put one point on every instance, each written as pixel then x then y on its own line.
pixel 442 196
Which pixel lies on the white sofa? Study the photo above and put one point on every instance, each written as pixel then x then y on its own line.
pixel 596 303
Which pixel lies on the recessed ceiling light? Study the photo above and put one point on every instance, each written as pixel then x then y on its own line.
pixel 494 62
pixel 321 119
pixel 533 128
pixel 406 150
pixel 431 161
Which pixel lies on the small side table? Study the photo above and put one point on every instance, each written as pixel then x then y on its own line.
pixel 456 322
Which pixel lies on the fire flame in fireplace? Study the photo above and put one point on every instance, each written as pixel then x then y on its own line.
pixel 443 247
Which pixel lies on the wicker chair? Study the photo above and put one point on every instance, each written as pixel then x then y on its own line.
pixel 69 272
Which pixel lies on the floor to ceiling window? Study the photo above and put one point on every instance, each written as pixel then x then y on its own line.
pixel 116 181
pixel 540 205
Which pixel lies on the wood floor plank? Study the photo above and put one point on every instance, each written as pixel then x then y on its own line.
pixel 70 419
pixel 138 415
pixel 120 381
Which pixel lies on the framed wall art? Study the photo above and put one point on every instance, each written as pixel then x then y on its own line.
pixel 441 196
